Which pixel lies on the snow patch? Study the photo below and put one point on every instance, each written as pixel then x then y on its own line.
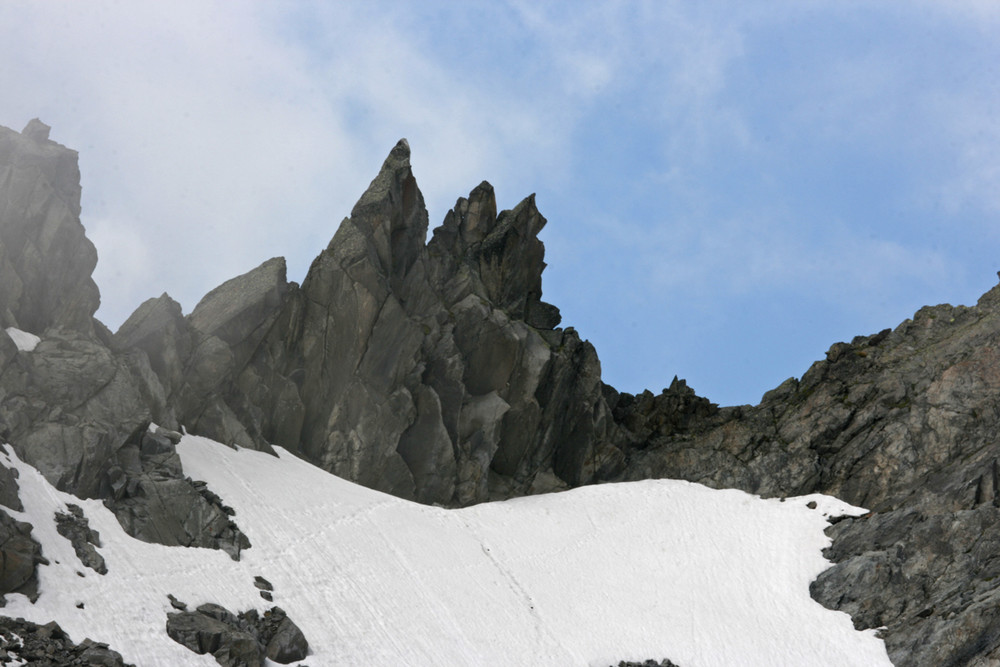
pixel 24 341
pixel 660 568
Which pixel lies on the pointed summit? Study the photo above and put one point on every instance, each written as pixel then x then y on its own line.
pixel 394 173
pixel 391 213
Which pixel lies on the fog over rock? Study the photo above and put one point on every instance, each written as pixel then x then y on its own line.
pixel 434 371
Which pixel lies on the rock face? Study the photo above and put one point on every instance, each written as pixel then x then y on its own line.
pixel 434 371
pixel 902 423
pixel 430 371
pixel 20 554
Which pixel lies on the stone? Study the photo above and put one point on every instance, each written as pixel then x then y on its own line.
pixel 239 640
pixel 202 634
pixel 75 527
pixel 9 490
pixel 287 644
pixel 26 643
pixel 240 311
pixel 174 512
pixel 19 556
pixel 67 407
pixel 46 260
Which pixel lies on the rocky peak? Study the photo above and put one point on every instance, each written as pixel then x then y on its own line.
pixel 391 215
pixel 497 257
pixel 36 130
pixel 46 260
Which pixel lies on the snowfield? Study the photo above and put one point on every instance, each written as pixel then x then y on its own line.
pixel 655 569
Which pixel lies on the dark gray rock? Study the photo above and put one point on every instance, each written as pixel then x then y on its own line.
pixel 420 370
pixel 238 640
pixel 287 643
pixel 67 407
pixel 155 502
pixel 202 633
pixel 20 554
pixel 9 489
pixel 241 311
pixel 174 512
pixel 75 527
pixel 26 643
pixel 158 328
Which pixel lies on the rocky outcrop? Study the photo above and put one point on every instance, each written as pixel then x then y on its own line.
pixel 155 502
pixel 430 371
pixel 20 554
pixel 239 640
pixel 46 261
pixel 75 527
pixel 26 643
pixel 903 423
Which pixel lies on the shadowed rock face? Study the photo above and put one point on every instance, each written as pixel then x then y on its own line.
pixel 435 372
pixel 423 370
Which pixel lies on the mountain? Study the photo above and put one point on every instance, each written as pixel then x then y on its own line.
pixel 433 371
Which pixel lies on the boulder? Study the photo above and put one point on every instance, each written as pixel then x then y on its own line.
pixel 238 640
pixel 202 633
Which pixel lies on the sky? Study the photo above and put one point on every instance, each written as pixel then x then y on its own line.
pixel 730 187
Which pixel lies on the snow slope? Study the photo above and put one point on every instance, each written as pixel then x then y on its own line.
pixel 25 342
pixel 655 569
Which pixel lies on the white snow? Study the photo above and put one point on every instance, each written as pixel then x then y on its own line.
pixel 25 341
pixel 655 569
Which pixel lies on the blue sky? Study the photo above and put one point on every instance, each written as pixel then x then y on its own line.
pixel 730 187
